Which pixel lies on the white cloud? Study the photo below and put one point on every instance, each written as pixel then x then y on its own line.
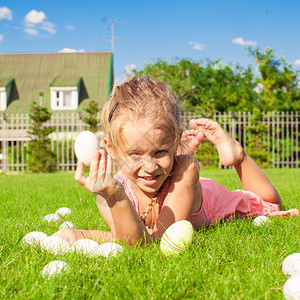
pixel 35 17
pixel 49 27
pixel 31 31
pixel 297 62
pixel 36 20
pixel 1 37
pixel 242 42
pixel 70 27
pixel 129 67
pixel 70 50
pixel 5 13
pixel 197 46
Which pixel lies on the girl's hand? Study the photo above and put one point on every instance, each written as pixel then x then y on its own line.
pixel 100 180
pixel 69 234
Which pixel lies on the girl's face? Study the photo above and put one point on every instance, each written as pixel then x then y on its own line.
pixel 147 157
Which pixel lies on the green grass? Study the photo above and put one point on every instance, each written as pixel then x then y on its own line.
pixel 233 260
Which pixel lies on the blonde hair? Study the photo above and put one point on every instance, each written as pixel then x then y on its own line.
pixel 141 99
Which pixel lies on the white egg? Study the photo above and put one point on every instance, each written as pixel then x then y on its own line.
pixel 63 211
pixel 110 249
pixel 87 247
pixel 86 143
pixel 291 264
pixel 34 238
pixel 52 218
pixel 261 220
pixel 291 288
pixel 67 225
pixel 55 268
pixel 55 245
pixel 177 238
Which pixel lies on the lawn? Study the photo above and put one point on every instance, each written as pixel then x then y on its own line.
pixel 233 260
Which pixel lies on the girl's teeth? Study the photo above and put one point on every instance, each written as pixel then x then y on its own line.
pixel 149 180
pixel 149 177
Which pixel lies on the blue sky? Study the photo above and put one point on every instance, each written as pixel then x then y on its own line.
pixel 151 30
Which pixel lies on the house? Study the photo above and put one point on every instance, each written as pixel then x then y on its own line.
pixel 59 81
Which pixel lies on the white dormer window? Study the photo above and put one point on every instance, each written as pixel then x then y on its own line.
pixel 6 86
pixel 64 98
pixel 65 92
pixel 3 102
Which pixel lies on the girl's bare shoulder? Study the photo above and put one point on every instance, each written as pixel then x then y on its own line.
pixel 186 166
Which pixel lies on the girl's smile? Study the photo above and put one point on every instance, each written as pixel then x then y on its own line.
pixel 148 157
pixel 150 180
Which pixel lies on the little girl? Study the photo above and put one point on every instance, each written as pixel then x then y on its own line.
pixel 158 182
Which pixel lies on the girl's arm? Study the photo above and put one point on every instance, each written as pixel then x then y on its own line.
pixel 72 235
pixel 184 196
pixel 112 201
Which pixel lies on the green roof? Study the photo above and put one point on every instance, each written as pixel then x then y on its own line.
pixel 4 82
pixel 34 73
pixel 65 81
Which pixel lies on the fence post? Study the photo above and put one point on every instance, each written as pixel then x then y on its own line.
pixel 273 139
pixel 233 129
pixel 5 152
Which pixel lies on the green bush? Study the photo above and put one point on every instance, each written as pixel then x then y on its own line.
pixel 257 148
pixel 41 158
pixel 91 117
pixel 207 155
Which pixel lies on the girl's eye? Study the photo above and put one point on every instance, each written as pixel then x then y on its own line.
pixel 135 156
pixel 160 153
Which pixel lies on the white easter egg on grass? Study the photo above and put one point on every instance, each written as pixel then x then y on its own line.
pixel 86 143
pixel 87 247
pixel 110 249
pixel 177 238
pixel 52 218
pixel 63 211
pixel 55 268
pixel 67 225
pixel 34 238
pixel 291 288
pixel 261 220
pixel 291 264
pixel 55 245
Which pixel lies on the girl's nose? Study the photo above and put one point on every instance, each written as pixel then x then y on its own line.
pixel 149 164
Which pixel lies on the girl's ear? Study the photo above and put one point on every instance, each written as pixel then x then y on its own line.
pixel 109 148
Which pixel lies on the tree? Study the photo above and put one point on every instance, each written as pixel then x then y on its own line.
pixel 91 118
pixel 41 158
pixel 206 87
pixel 278 81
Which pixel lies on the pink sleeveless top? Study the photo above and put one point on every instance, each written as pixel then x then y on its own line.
pixel 130 194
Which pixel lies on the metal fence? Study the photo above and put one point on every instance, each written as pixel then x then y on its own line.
pixel 281 137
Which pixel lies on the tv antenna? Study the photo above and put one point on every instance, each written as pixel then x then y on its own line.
pixel 113 38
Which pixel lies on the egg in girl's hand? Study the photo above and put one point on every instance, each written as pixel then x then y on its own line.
pixel 86 143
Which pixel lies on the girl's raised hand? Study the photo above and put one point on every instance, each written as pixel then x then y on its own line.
pixel 100 180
